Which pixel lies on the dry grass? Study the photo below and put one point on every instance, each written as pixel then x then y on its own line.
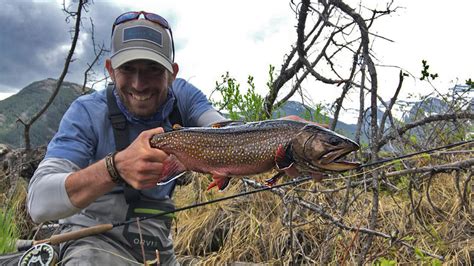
pixel 258 228
pixel 266 229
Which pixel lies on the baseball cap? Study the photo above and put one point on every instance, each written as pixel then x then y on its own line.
pixel 141 39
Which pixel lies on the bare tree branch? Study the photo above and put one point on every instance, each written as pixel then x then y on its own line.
pixel 337 222
pixel 27 125
pixel 98 54
pixel 429 119
pixel 443 168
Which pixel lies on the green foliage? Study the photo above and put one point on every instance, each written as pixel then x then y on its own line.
pixel 246 107
pixel 397 165
pixel 8 231
pixel 249 106
pixel 425 74
pixel 470 83
pixel 385 262
pixel 271 72
pixel 408 238
pixel 320 115
pixel 403 182
pixel 426 259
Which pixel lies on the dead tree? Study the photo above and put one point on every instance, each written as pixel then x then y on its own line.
pixel 77 15
pixel 99 51
pixel 333 48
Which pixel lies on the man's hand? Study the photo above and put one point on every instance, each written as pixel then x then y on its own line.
pixel 139 164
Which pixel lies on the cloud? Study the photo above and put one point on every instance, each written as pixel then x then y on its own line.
pixel 36 39
pixel 28 36
pixel 269 28
pixel 211 38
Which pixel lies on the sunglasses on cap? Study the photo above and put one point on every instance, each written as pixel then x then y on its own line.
pixel 132 15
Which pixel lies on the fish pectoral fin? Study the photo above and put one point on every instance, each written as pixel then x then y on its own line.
pixel 272 181
pixel 283 158
pixel 171 167
pixel 219 180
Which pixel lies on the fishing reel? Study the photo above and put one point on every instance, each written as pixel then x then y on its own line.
pixel 39 255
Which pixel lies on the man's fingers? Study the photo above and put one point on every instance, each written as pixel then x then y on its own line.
pixel 157 155
pixel 149 167
pixel 148 134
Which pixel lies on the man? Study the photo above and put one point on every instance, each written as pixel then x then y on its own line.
pixel 83 182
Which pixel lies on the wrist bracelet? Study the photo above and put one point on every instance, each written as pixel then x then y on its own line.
pixel 113 172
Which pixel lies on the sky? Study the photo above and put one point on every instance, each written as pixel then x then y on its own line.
pixel 240 37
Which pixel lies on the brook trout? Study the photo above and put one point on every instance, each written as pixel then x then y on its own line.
pixel 254 148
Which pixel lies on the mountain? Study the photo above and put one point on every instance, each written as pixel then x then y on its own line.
pixel 28 102
pixel 33 97
pixel 301 110
pixel 429 106
pixel 435 106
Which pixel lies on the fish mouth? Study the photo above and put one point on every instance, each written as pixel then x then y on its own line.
pixel 334 160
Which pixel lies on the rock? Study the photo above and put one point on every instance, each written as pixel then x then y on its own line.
pixel 4 149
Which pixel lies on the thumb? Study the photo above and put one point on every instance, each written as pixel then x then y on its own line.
pixel 148 134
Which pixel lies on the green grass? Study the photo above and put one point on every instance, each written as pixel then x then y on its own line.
pixel 8 231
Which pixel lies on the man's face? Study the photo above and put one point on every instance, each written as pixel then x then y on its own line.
pixel 142 86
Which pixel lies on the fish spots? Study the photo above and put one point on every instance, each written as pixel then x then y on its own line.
pixel 252 148
pixel 223 147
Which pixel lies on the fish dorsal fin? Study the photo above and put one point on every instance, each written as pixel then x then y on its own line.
pixel 227 123
pixel 283 157
pixel 177 127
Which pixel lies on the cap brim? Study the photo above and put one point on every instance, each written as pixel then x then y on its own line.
pixel 128 55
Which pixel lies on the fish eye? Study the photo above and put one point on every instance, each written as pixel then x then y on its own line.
pixel 334 141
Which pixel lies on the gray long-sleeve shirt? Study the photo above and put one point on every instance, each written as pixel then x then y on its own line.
pixel 85 136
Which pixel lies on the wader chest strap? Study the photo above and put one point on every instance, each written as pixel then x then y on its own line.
pixel 121 136
pixel 121 132
pixel 118 120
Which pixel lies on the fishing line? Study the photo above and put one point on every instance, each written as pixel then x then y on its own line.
pixel 416 153
pixel 293 182
pixel 390 161
pixel 170 180
pixel 56 239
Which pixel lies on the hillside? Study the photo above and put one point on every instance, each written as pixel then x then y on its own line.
pixel 423 209
pixel 29 101
pixel 301 110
